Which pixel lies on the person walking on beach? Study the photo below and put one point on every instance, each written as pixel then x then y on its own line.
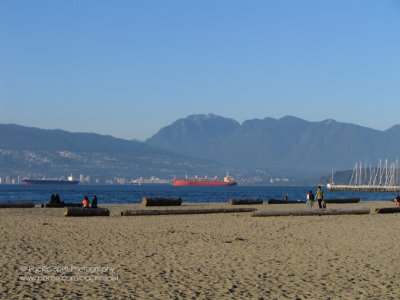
pixel 320 197
pixel 310 199
pixel 85 202
pixel 94 202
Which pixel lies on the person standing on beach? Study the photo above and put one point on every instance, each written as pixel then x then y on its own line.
pixel 320 197
pixel 94 202
pixel 310 199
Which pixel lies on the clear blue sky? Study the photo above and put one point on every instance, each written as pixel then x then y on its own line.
pixel 128 68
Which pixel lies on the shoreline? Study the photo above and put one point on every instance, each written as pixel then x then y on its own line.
pixel 214 256
pixel 117 208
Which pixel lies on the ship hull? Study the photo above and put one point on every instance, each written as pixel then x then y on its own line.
pixel 187 182
pixel 48 181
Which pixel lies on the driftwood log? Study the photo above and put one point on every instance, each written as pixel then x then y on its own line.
pixel 161 201
pixel 387 210
pixel 62 204
pixel 339 201
pixel 20 204
pixel 244 201
pixel 276 201
pixel 153 212
pixel 311 212
pixel 345 200
pixel 86 212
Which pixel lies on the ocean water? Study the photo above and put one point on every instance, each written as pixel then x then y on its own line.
pixel 129 194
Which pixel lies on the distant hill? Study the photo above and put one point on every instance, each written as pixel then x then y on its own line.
pixel 34 152
pixel 253 152
pixel 195 136
pixel 288 145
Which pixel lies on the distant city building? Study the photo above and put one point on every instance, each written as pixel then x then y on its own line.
pixel 279 180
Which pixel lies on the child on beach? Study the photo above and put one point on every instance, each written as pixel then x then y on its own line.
pixel 397 200
pixel 85 202
pixel 310 199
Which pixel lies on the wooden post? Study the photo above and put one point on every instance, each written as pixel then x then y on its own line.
pixel 86 212
pixel 161 201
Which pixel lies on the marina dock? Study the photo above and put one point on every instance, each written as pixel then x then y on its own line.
pixel 383 178
pixel 364 188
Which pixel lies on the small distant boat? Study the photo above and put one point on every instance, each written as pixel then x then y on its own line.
pixel 70 180
pixel 227 181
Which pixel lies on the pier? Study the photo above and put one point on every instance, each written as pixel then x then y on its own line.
pixel 383 178
pixel 364 188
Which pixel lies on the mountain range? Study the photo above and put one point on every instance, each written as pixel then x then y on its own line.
pixel 36 153
pixel 284 145
pixel 200 145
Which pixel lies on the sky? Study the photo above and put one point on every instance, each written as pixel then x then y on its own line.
pixel 129 68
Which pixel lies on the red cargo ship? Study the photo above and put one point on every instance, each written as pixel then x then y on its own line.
pixel 228 181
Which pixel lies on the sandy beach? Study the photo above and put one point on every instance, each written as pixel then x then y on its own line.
pixel 45 255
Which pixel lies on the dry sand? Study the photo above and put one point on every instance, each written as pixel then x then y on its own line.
pixel 45 255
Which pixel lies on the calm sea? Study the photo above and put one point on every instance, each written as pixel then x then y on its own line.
pixel 126 194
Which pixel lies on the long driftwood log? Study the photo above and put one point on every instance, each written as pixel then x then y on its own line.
pixel 311 212
pixel 344 200
pixel 153 212
pixel 62 204
pixel 276 201
pixel 338 201
pixel 20 204
pixel 387 210
pixel 86 212
pixel 244 201
pixel 161 201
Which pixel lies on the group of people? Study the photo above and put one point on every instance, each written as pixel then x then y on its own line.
pixel 321 202
pixel 86 202
pixel 55 199
pixel 319 195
